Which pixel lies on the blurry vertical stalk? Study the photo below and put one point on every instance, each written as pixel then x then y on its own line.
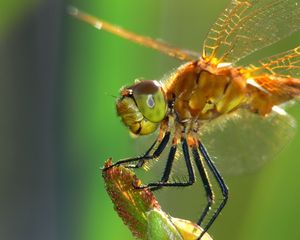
pixel 12 12
pixel 28 147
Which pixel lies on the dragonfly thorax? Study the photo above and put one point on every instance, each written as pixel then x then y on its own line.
pixel 203 92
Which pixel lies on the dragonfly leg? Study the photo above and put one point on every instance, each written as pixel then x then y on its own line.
pixel 167 171
pixel 222 185
pixel 164 180
pixel 205 181
pixel 146 156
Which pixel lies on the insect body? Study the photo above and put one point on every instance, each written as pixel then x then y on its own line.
pixel 198 91
pixel 195 94
pixel 209 87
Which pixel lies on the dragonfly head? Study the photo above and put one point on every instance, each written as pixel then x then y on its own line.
pixel 142 106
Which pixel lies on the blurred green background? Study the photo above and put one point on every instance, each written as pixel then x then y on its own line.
pixel 59 77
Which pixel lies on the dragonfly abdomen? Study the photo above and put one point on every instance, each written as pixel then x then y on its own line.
pixel 266 91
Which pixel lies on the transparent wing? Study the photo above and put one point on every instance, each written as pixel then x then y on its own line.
pixel 247 26
pixel 243 141
pixel 184 55
pixel 286 64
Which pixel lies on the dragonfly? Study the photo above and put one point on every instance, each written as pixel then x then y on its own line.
pixel 208 86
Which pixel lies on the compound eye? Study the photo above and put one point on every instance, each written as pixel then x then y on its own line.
pixel 150 100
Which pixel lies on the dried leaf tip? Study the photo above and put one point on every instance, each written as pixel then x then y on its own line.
pixel 131 204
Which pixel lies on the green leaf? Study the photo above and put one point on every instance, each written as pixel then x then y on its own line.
pixel 140 210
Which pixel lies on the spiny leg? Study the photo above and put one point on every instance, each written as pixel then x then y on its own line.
pixel 164 180
pixel 162 143
pixel 222 185
pixel 205 181
pixel 167 170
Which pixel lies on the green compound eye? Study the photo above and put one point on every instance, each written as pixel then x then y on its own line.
pixel 150 100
